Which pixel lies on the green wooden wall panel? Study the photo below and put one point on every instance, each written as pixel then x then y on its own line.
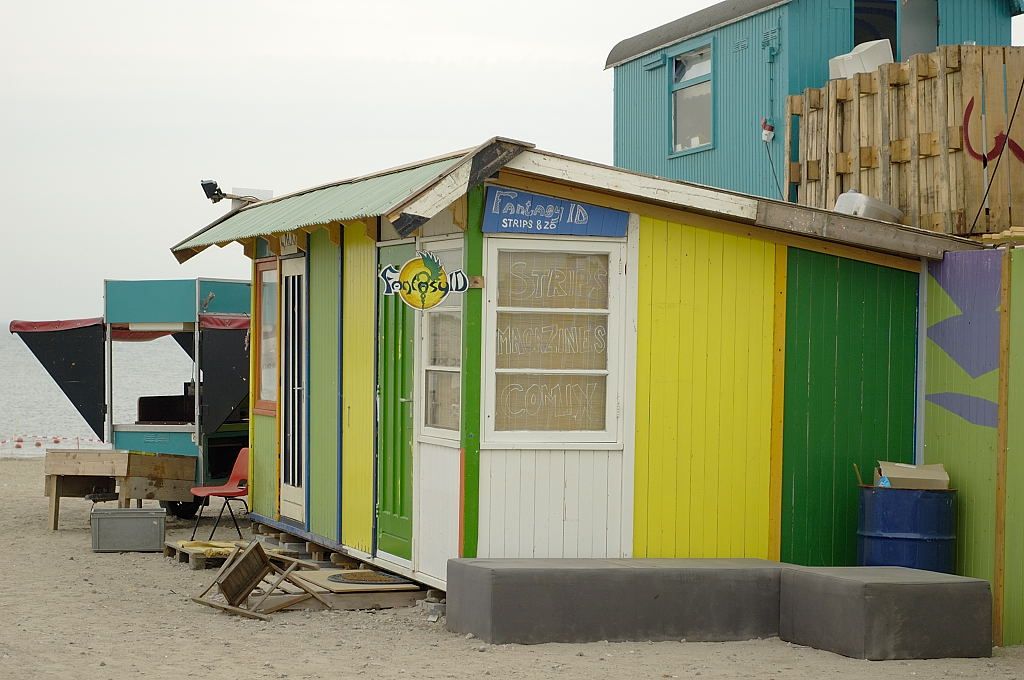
pixel 263 450
pixel 324 389
pixel 851 343
pixel 472 363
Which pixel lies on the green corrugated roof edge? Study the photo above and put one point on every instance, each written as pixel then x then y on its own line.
pixel 351 199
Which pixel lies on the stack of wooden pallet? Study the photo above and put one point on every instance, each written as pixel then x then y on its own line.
pixel 1013 236
pixel 924 136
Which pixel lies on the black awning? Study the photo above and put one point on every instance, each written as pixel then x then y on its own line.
pixel 224 362
pixel 72 353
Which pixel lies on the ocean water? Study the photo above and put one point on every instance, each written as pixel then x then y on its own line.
pixel 33 409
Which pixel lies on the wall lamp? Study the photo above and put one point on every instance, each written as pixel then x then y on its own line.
pixel 214 193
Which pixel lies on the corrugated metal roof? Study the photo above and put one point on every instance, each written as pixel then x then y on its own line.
pixel 369 196
pixel 687 27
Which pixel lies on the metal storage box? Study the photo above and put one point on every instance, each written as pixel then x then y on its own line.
pixel 128 529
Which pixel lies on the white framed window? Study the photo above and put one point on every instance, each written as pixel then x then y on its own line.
pixel 553 341
pixel 692 104
pixel 440 360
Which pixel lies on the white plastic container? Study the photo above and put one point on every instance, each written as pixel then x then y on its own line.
pixel 864 58
pixel 853 203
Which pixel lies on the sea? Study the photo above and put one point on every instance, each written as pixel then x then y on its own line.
pixel 35 414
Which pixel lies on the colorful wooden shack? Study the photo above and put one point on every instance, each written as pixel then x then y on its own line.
pixel 508 352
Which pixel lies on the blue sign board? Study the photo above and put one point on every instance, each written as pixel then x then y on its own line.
pixel 512 211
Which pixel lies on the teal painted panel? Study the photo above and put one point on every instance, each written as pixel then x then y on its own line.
pixel 324 388
pixel 150 301
pixel 395 329
pixel 986 22
pixel 749 83
pixel 156 442
pixel 229 297
pixel 851 348
pixel 816 31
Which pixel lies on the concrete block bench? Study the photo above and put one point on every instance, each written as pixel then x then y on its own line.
pixel 886 612
pixel 532 601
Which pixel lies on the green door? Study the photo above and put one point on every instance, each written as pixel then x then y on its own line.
pixel 395 327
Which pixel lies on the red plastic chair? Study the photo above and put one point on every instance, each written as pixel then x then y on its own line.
pixel 236 486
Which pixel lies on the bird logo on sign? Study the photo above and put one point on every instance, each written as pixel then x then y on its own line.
pixel 422 282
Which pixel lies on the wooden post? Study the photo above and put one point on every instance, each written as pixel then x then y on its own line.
pixel 974 170
pixel 802 149
pixel 913 174
pixel 855 141
pixel 123 501
pixel 831 146
pixel 787 182
pixel 995 124
pixel 884 150
pixel 945 171
pixel 53 491
pixel 1014 78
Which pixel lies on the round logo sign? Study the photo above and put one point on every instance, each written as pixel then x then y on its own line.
pixel 422 282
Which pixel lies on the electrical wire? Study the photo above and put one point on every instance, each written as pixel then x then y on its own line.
pixel 995 168
pixel 771 162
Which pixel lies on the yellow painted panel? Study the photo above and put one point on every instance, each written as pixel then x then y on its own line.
pixel 359 294
pixel 778 402
pixel 704 392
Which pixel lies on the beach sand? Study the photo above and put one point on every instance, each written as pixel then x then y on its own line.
pixel 66 612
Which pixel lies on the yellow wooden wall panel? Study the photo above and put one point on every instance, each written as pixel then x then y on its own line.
pixel 704 392
pixel 359 294
pixel 641 469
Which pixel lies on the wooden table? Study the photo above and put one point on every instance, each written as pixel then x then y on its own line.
pixel 75 473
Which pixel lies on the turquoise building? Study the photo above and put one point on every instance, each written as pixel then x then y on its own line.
pixel 690 96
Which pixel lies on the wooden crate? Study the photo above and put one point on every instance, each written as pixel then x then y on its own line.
pixel 914 135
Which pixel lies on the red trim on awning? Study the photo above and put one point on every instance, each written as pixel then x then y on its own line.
pixel 49 326
pixel 125 335
pixel 225 322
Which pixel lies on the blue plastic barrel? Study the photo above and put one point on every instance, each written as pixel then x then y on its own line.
pixel 907 528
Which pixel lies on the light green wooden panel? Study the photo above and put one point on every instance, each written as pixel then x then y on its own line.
pixel 961 391
pixel 324 356
pixel 1013 594
pixel 263 449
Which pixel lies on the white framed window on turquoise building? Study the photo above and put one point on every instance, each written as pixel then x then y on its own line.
pixel 692 99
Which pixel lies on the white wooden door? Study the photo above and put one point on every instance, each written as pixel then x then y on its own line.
pixel 293 389
pixel 436 466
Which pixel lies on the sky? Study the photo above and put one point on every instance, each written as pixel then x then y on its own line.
pixel 112 111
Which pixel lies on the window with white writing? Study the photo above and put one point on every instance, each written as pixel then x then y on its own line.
pixel 551 341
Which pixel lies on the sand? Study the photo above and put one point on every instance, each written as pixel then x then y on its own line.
pixel 66 612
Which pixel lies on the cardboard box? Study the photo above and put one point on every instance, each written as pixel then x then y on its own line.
pixel 906 476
